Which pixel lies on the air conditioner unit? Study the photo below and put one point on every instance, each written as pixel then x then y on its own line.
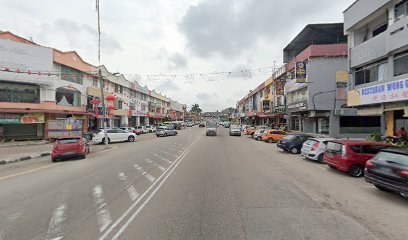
pixel 338 112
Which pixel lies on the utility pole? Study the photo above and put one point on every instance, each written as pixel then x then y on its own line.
pixel 101 78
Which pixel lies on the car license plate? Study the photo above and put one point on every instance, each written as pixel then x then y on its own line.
pixel 68 153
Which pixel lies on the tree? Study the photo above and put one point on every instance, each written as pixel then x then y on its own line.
pixel 195 108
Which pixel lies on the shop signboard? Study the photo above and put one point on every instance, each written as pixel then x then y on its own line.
pixel 301 72
pixel 298 106
pixel 341 85
pixel 21 118
pixel 265 105
pixel 280 87
pixel 384 92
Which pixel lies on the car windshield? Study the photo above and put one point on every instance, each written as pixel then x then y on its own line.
pixel 335 147
pixel 68 141
pixel 289 137
pixel 392 157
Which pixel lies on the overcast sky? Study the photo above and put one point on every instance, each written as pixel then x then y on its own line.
pixel 175 37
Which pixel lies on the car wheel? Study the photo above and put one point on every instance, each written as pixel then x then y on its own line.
pixel 320 159
pixel 206 134
pixel 131 139
pixel 259 138
pixel 82 157
pixel 356 171
pixel 332 167
pixel 270 140
pixel 103 140
pixel 165 135
pixel 382 188
pixel 175 133
pixel 54 159
pixel 294 150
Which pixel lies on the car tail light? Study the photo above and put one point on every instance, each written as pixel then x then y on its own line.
pixel 315 147
pixel 404 173
pixel 369 164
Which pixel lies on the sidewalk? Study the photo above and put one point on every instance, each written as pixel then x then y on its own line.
pixel 16 153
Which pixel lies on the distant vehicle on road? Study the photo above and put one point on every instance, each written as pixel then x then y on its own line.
pixel 151 129
pixel 227 124
pixel 201 125
pixel 211 129
pixel 293 143
pixel 164 131
pixel 190 124
pixel 114 135
pixel 235 130
pixel 314 148
pixel 273 135
pixel 351 156
pixel 142 129
pixel 68 147
pixel 388 171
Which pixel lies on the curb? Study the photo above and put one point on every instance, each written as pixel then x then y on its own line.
pixel 23 158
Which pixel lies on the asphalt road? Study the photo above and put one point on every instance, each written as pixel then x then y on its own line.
pixel 193 187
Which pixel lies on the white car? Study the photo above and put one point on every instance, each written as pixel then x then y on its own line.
pixel 114 135
pixel 142 129
pixel 151 129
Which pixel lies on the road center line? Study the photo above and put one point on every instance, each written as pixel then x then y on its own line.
pixel 134 215
pixel 120 219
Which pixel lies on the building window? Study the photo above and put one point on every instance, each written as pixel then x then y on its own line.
pixel 380 29
pixel 116 87
pixel 119 104
pixel 68 97
pixel 371 73
pixel 143 107
pixel 401 64
pixel 94 82
pixel 401 9
pixel 70 74
pixel 19 92
pixel 120 88
pixel 360 124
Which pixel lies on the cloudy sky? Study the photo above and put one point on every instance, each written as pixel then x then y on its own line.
pixel 175 46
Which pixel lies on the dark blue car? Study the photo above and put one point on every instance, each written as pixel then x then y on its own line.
pixel 293 143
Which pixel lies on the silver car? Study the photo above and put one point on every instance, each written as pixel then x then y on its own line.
pixel 314 148
pixel 258 134
pixel 211 129
pixel 234 130
pixel 164 131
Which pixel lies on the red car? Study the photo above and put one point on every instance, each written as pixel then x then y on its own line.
pixel 68 147
pixel 351 156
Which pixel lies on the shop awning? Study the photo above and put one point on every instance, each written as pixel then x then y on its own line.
pixel 8 110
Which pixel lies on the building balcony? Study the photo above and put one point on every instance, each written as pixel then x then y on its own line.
pixel 369 50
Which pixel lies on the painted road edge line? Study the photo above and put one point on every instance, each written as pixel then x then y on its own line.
pixel 120 219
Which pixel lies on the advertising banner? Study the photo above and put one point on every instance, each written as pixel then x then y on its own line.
pixel 280 87
pixel 341 85
pixel 301 72
pixel 21 118
pixel 265 105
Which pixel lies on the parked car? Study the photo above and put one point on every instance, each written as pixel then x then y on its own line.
pixel 211 129
pixel 258 134
pixel 227 124
pixel 131 129
pixel 293 142
pixel 314 148
pixel 244 127
pixel 142 129
pixel 201 125
pixel 251 131
pixel 388 171
pixel 351 156
pixel 164 131
pixel 273 136
pixel 190 124
pixel 234 130
pixel 151 129
pixel 114 135
pixel 68 147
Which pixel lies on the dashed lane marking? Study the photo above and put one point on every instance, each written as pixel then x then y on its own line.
pixel 144 173
pixel 162 158
pixel 58 217
pixel 102 215
pixel 133 194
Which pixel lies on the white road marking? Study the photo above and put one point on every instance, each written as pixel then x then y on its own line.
pixel 102 215
pixel 133 194
pixel 58 217
pixel 144 173
pixel 134 215
pixel 149 161
pixel 120 219
pixel 161 167
pixel 162 158
pixel 322 168
pixel 171 154
pixel 368 186
pixel 138 167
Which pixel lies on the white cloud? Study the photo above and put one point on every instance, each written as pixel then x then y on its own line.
pixel 197 36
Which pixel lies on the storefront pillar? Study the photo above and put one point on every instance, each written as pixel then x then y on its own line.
pixel 137 121
pixel 389 123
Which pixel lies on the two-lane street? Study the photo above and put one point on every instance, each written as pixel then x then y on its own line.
pixel 194 187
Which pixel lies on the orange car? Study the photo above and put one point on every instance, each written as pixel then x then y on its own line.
pixel 273 136
pixel 249 131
